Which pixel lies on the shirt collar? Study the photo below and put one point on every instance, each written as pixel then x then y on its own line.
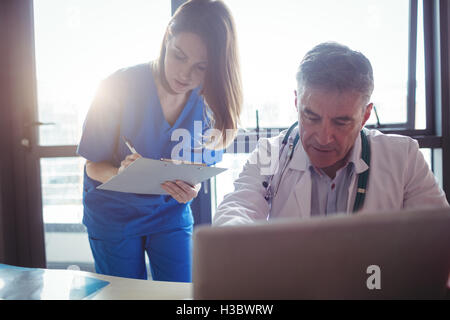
pixel 356 156
pixel 300 160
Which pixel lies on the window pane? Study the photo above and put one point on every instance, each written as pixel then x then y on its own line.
pixel 66 241
pixel 223 183
pixel 274 36
pixel 80 42
pixel 61 180
pixel 421 119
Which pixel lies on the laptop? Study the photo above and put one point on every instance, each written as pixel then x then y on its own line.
pixel 392 255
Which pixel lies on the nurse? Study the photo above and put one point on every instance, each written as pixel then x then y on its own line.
pixel 195 83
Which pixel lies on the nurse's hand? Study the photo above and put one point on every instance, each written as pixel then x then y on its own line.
pixel 128 160
pixel 181 191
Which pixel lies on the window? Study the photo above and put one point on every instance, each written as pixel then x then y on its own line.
pixel 78 43
pixel 273 42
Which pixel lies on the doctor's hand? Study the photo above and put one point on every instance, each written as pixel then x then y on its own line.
pixel 128 160
pixel 181 191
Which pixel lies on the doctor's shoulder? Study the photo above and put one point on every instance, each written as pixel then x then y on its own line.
pixel 392 146
pixel 266 153
pixel 267 146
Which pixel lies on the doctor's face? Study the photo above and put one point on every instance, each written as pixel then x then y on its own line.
pixel 330 122
pixel 185 62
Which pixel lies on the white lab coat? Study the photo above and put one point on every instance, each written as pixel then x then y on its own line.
pixel 399 178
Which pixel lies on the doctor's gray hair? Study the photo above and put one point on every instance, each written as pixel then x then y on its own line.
pixel 332 66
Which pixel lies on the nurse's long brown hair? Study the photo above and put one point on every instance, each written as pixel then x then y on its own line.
pixel 222 89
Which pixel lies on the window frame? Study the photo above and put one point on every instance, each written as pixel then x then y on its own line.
pixel 427 137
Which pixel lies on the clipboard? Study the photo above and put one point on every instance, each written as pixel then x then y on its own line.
pixel 144 176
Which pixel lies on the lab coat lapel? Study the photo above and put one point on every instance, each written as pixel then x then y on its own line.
pixel 299 200
pixel 298 203
pixel 303 195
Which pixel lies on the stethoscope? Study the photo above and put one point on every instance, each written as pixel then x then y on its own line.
pixel 362 177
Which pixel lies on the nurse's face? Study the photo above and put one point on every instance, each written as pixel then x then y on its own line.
pixel 185 62
pixel 330 123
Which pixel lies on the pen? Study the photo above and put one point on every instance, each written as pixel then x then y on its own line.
pixel 129 145
pixel 184 162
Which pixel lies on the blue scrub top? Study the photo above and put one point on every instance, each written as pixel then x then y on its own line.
pixel 127 104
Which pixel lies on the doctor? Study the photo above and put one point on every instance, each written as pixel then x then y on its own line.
pixel 330 163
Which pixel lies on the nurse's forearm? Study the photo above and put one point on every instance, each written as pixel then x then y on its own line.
pixel 100 171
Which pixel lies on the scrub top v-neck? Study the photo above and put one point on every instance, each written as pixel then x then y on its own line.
pixel 127 104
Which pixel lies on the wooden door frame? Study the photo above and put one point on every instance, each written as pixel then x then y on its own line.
pixel 20 195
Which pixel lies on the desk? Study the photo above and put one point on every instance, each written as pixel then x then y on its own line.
pixel 50 284
pixel 132 289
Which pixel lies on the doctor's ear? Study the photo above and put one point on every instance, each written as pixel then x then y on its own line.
pixel 367 113
pixel 295 93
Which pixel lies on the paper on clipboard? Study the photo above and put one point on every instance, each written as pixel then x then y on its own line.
pixel 144 176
